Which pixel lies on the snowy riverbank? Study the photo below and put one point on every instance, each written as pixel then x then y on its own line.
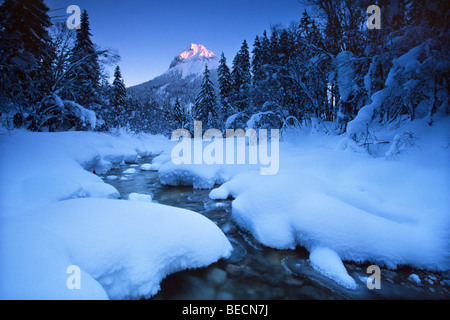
pixel 389 208
pixel 123 248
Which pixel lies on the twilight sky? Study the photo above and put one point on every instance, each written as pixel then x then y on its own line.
pixel 148 34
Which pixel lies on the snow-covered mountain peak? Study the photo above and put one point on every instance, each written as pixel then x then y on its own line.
pixel 196 50
pixel 193 61
pixel 183 78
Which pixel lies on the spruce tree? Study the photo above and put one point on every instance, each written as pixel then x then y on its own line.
pixel 118 98
pixel 274 47
pixel 245 63
pixel 85 71
pixel 119 91
pixel 25 51
pixel 241 78
pixel 285 47
pixel 265 49
pixel 179 115
pixel 257 59
pixel 205 103
pixel 225 86
pixel 259 62
pixel 24 37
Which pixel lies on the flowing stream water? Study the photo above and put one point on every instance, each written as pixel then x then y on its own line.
pixel 256 272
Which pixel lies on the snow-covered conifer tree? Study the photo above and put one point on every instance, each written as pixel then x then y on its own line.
pixel 205 103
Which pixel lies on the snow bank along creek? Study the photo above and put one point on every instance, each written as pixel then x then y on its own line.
pixel 254 271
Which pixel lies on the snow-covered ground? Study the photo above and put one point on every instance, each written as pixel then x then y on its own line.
pixel 388 208
pixel 56 213
pixel 330 196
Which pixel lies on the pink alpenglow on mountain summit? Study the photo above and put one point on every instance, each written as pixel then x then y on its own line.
pixel 196 50
pixel 193 61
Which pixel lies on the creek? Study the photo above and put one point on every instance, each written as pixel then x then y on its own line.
pixel 256 272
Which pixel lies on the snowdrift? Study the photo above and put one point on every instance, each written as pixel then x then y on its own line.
pixel 361 208
pixel 123 248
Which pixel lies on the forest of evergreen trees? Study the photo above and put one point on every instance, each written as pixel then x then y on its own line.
pixel 325 70
pixel 54 78
pixel 321 70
